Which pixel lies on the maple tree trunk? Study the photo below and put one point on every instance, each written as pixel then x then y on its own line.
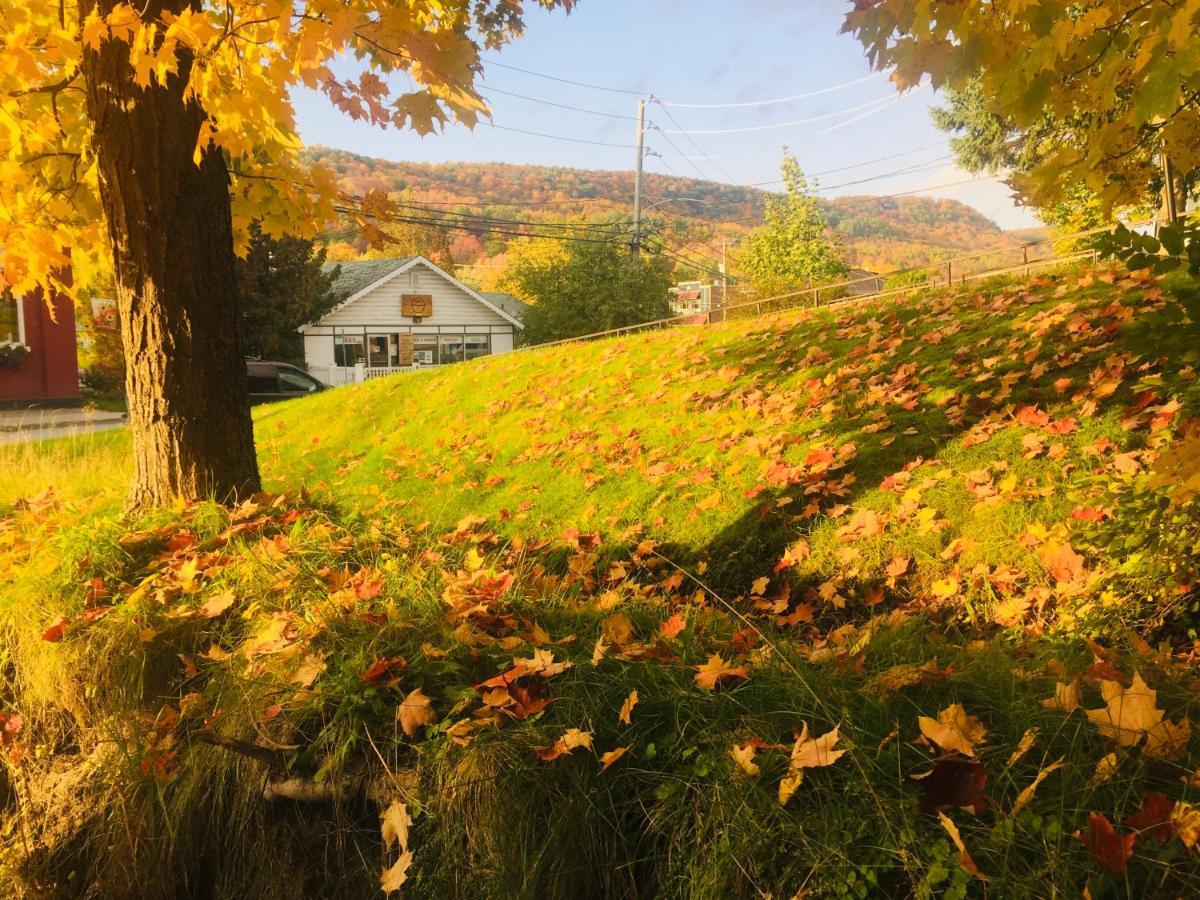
pixel 170 227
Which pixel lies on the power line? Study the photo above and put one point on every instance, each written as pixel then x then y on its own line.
pixel 582 84
pixel 805 96
pixel 670 143
pixel 474 229
pixel 561 137
pixel 878 101
pixel 869 162
pixel 592 112
pixel 692 141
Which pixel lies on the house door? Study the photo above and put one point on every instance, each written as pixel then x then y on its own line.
pixel 383 350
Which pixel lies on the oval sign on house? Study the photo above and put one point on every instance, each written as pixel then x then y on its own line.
pixel 416 305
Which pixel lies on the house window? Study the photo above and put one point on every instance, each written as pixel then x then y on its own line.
pixel 414 278
pixel 477 345
pixel 348 349
pixel 425 350
pixel 451 348
pixel 12 330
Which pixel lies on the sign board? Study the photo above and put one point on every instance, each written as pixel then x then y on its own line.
pixel 417 306
pixel 406 349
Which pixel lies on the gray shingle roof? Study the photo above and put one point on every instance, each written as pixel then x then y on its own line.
pixel 362 274
pixel 507 302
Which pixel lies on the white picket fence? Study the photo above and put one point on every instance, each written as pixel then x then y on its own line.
pixel 337 376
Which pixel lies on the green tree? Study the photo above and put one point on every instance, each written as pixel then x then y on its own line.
pixel 283 286
pixel 1095 92
pixel 586 287
pixel 795 246
pixel 985 141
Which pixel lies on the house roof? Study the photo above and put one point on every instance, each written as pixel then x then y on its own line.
pixel 507 302
pixel 360 274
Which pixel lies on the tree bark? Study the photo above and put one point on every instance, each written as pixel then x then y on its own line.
pixel 171 230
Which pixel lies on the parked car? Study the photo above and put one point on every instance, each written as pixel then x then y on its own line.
pixel 270 381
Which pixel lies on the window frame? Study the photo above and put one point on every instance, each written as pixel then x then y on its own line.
pixel 18 303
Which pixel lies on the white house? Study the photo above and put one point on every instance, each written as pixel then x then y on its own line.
pixel 393 315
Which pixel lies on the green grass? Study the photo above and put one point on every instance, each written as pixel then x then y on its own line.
pixel 702 460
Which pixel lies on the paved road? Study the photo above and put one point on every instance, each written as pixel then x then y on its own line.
pixel 19 426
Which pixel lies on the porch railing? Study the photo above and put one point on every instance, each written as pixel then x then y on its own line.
pixel 337 376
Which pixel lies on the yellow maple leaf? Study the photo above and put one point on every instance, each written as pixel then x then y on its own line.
pixel 808 753
pixel 1185 818
pixel 953 730
pixel 1129 713
pixel 716 670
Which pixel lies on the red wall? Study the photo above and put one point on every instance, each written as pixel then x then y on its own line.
pixel 51 370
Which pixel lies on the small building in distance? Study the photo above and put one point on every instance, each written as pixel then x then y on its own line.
pixel 395 315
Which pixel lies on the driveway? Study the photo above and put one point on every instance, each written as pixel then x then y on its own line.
pixel 19 425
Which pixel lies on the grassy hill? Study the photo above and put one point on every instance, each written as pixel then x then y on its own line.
pixel 879 233
pixel 584 610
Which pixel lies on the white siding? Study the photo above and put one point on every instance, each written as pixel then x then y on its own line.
pixel 452 306
pixel 501 342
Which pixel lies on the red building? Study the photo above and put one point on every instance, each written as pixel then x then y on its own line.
pixel 38 361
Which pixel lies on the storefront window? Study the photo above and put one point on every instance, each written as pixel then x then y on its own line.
pixel 451 348
pixel 10 320
pixel 425 350
pixel 348 349
pixel 478 345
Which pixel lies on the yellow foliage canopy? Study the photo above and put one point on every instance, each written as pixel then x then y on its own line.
pixel 239 60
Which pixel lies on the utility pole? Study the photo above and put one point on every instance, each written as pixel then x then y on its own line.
pixel 724 279
pixel 636 244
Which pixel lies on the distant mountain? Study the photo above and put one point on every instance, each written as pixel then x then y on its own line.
pixel 879 233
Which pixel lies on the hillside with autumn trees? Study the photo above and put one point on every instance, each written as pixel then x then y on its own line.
pixel 878 233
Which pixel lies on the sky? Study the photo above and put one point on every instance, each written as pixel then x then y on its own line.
pixel 694 52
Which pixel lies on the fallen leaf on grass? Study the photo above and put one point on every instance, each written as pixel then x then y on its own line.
pixel 1155 818
pixel 607 759
pixel 964 858
pixel 571 740
pixel 900 676
pixel 672 626
pixel 383 671
pixel 1066 696
pixel 216 605
pixel 55 632
pixel 626 714
pixel 808 753
pixel 1129 713
pixel 1185 819
pixel 715 671
pixel 743 755
pixel 394 825
pixel 1026 795
pixel 953 730
pixel 415 712
pixel 1109 849
pixel 1023 746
